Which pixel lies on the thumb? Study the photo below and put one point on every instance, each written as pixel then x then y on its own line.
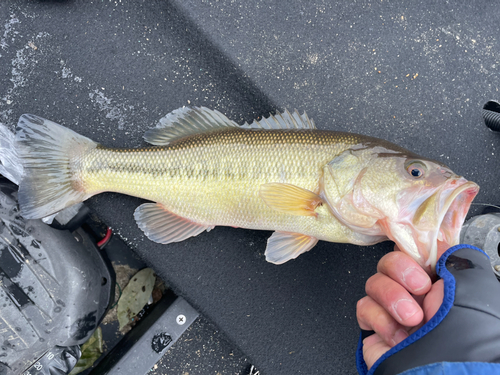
pixel 433 300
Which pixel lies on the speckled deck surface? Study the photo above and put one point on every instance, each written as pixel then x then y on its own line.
pixel 414 74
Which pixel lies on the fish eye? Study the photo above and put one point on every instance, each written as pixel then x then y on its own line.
pixel 416 169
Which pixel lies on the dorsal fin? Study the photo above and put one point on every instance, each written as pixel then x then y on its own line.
pixel 186 121
pixel 285 120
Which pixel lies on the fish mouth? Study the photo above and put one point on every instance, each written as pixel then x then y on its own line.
pixel 445 211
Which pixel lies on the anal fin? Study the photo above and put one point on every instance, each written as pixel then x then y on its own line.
pixel 163 226
pixel 283 246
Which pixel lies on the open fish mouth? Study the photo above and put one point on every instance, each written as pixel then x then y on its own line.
pixel 450 209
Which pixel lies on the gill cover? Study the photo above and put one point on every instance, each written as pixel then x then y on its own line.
pixel 342 191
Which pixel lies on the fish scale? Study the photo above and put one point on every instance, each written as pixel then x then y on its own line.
pixel 214 178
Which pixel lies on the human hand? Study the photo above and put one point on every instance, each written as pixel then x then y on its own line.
pixel 400 299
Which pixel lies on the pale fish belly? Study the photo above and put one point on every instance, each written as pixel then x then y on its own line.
pixel 214 178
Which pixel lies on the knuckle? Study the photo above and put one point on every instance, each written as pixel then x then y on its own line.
pixel 372 284
pixel 385 259
pixel 361 307
pixel 360 304
pixel 388 261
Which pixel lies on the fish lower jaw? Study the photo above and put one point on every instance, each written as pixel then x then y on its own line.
pixel 450 219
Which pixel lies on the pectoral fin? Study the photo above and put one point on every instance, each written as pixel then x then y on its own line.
pixel 163 226
pixel 290 199
pixel 282 246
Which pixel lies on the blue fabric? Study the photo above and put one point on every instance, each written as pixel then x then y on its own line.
pixel 455 368
pixel 448 299
pixel 360 361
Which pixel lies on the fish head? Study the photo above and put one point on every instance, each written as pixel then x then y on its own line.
pixel 433 211
pixel 418 203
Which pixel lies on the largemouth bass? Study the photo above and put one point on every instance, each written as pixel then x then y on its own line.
pixel 279 173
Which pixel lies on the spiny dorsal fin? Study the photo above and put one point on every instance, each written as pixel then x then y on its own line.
pixel 285 120
pixel 186 121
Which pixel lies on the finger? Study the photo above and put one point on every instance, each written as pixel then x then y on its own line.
pixel 431 304
pixel 403 269
pixel 395 299
pixel 372 316
pixel 442 248
pixel 433 300
pixel 373 348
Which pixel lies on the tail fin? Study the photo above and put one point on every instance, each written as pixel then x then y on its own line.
pixel 10 165
pixel 50 154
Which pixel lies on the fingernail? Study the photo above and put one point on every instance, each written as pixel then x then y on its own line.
pixel 415 279
pixel 405 309
pixel 399 336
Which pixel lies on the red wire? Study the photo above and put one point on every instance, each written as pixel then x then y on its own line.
pixel 106 238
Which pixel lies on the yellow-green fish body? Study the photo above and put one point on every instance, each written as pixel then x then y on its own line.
pixel 204 170
pixel 215 178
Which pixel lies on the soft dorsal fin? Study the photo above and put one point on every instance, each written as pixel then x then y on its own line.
pixel 285 120
pixel 186 121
